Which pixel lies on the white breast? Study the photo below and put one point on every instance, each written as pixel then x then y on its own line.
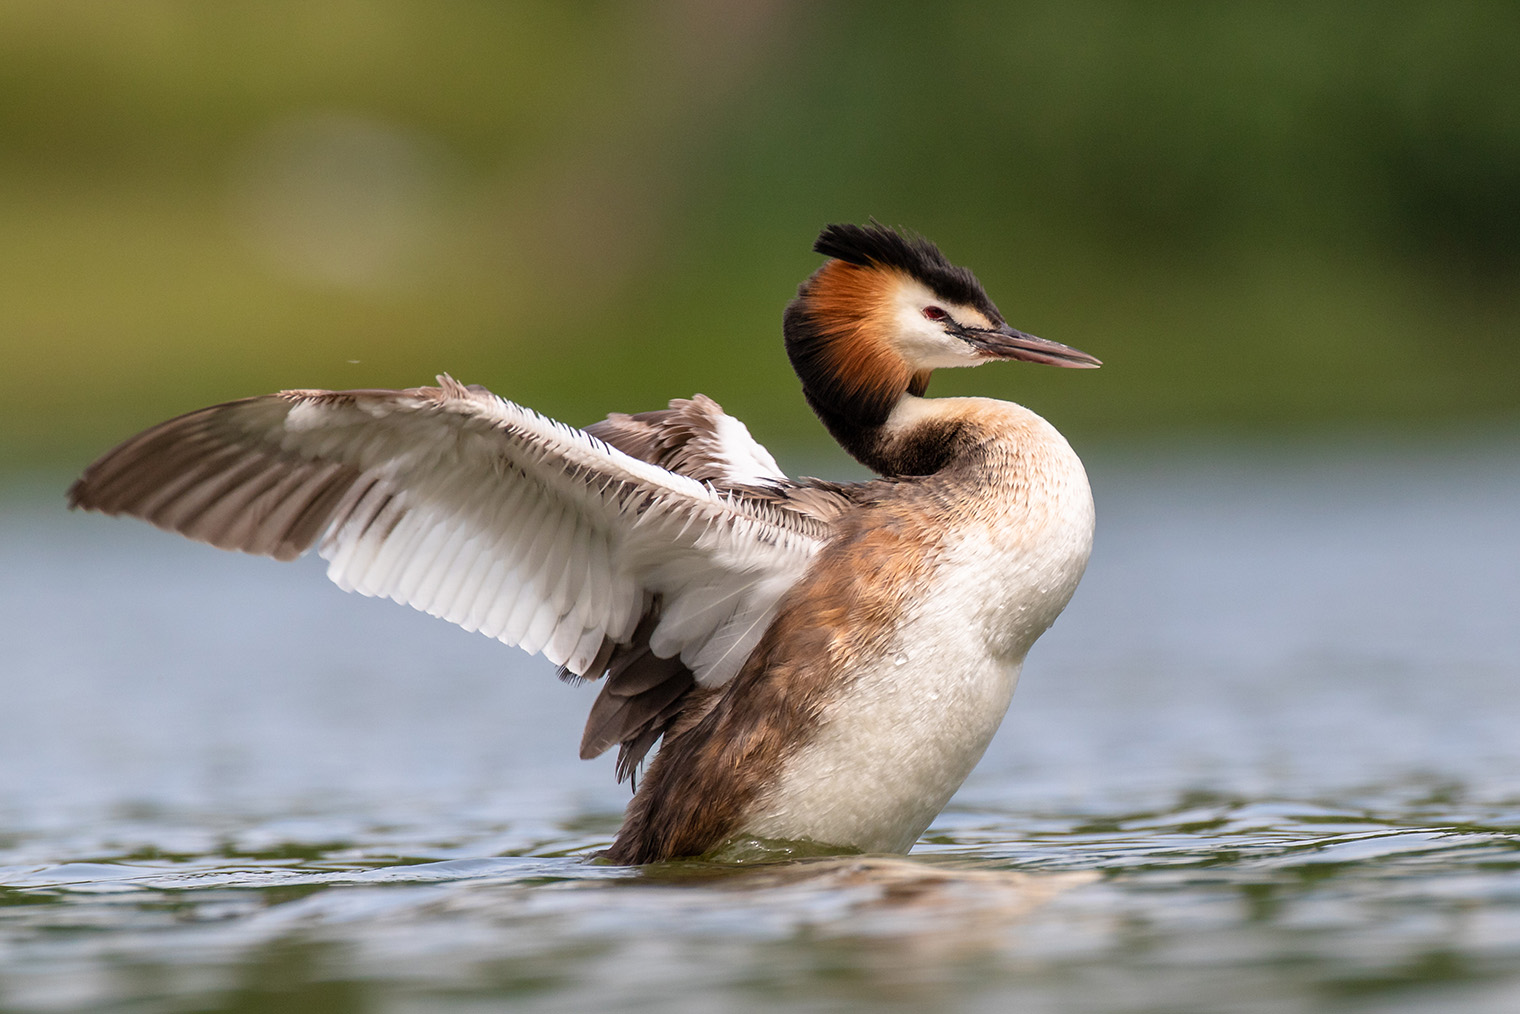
pixel 909 726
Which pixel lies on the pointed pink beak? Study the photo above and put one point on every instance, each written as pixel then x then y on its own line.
pixel 1007 343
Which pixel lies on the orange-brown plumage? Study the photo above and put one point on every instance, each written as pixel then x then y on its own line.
pixel 852 306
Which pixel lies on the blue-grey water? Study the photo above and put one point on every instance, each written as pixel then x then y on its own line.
pixel 1268 761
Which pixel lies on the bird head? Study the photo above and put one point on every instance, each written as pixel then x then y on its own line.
pixel 885 311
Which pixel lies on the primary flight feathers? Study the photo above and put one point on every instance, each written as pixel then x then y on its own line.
pixel 472 508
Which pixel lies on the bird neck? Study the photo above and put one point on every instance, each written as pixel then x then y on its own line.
pixel 919 436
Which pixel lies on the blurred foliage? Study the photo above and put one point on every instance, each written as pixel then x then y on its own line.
pixel 1257 215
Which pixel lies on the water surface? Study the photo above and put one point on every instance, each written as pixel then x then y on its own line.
pixel 1266 761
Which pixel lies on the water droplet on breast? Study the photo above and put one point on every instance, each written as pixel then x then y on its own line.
pixel 901 659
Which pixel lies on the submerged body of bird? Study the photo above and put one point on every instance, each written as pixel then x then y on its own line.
pixel 824 662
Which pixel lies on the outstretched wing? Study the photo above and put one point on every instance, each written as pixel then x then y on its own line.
pixel 472 508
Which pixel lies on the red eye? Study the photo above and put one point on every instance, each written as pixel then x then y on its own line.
pixel 935 313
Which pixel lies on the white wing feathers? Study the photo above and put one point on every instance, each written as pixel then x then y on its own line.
pixel 472 508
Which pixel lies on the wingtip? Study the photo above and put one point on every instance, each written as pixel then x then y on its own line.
pixel 75 495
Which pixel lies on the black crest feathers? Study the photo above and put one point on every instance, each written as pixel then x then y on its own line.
pixel 876 245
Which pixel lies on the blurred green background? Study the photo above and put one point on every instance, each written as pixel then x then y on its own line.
pixel 1263 217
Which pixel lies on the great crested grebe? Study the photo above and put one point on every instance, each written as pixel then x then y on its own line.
pixel 825 662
